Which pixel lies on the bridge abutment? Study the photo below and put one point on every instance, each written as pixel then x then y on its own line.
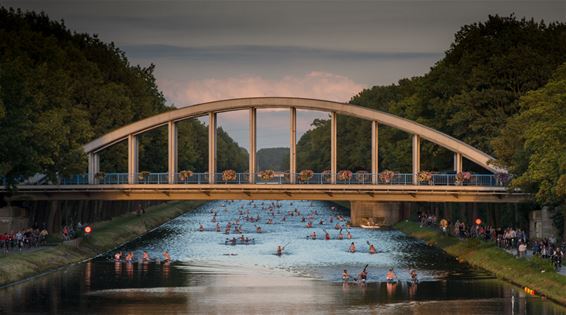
pixel 381 213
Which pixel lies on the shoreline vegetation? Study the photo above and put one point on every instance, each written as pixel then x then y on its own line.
pixel 534 273
pixel 106 236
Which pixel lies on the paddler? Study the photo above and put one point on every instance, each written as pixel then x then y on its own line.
pixel 372 249
pixel 413 274
pixel 345 276
pixel 166 257
pixel 391 276
pixel 352 248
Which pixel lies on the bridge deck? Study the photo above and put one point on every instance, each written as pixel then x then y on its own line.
pixel 271 192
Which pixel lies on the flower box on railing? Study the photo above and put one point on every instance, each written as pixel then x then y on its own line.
pixel 305 175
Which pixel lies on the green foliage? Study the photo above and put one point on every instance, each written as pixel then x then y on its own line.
pixel 533 146
pixel 59 90
pixel 276 159
pixel 469 94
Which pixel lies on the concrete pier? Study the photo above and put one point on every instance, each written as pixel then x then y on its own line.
pixel 382 213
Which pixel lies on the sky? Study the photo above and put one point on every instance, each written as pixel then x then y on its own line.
pixel 212 50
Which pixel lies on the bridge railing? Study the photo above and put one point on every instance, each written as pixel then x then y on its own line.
pixel 284 178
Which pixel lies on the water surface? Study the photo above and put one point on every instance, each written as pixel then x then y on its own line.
pixel 208 277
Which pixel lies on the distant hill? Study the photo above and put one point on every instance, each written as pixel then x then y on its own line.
pixel 276 159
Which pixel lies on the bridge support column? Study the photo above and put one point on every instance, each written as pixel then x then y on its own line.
pixel 93 167
pixel 374 152
pixel 253 138
pixel 293 146
pixel 416 157
pixel 172 151
pixel 211 148
pixel 133 144
pixel 333 152
pixel 457 162
pixel 381 213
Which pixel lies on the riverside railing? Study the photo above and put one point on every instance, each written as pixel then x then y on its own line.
pixel 284 178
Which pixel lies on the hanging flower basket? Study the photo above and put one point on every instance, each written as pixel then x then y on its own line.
pixel 266 174
pixel 361 176
pixel 228 175
pixel 344 175
pixel 326 175
pixel 424 176
pixel 143 175
pixel 386 176
pixel 462 177
pixel 184 175
pixel 305 175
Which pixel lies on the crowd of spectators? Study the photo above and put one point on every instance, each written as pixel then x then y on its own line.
pixel 35 236
pixel 510 238
pixel 22 239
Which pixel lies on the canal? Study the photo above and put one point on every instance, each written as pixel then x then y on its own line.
pixel 209 275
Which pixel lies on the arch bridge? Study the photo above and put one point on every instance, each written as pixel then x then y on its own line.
pixel 325 186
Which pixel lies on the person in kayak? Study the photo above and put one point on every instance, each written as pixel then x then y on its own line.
pixel 345 276
pixel 391 276
pixel 166 257
pixel 372 249
pixel 414 278
pixel 352 248
pixel 363 276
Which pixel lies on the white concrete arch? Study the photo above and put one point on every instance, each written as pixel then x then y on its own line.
pixel 419 131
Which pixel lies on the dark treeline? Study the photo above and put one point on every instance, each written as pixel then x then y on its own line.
pixel 60 89
pixel 469 94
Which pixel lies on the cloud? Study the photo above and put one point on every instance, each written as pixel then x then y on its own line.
pixel 314 84
pixel 239 52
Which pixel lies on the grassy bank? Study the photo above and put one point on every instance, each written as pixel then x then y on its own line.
pixel 523 272
pixel 105 236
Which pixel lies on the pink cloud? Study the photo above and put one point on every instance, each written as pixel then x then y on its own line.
pixel 315 84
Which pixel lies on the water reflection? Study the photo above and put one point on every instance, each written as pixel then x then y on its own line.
pixel 203 281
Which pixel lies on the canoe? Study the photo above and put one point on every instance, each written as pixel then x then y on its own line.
pixel 370 226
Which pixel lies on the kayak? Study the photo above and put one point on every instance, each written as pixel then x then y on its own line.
pixel 373 227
